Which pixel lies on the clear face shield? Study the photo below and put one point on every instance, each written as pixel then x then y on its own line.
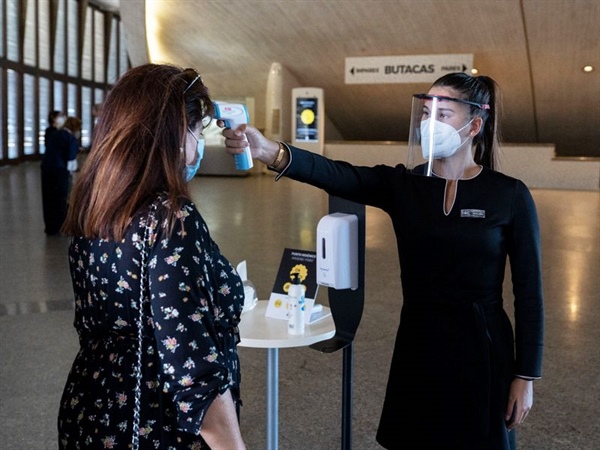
pixel 438 129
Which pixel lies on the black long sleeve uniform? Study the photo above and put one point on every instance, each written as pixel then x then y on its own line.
pixel 455 353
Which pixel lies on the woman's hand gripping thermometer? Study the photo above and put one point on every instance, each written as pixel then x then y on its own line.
pixel 233 115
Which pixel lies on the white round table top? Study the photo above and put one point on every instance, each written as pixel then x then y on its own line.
pixel 257 330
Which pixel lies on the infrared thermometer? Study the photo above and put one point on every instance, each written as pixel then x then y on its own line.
pixel 233 115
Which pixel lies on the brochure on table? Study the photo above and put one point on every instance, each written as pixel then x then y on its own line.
pixel 304 263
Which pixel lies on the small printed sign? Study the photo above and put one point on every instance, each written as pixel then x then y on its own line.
pixel 304 263
pixel 404 69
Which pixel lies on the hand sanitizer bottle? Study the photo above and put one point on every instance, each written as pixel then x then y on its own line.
pixel 296 303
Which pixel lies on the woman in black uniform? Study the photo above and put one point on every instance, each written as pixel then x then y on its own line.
pixel 459 378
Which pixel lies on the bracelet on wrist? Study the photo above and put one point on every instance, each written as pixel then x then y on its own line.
pixel 279 157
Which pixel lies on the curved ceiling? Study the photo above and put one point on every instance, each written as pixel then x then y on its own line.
pixel 534 49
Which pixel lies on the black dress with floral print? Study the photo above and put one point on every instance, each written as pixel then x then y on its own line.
pixel 192 299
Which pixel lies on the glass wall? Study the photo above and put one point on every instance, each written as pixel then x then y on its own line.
pixel 29 113
pixel 11 116
pixel 57 64
pixel 44 108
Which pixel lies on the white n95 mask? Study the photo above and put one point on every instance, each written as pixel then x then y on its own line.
pixel 440 138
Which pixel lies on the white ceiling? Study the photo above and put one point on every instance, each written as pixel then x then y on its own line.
pixel 535 50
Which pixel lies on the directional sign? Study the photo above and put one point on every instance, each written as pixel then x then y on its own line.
pixel 404 69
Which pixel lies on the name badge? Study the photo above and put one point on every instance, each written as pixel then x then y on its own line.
pixel 473 213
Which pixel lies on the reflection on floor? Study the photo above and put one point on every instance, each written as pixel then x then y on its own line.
pixel 253 219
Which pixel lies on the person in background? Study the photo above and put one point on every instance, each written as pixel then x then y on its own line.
pixel 459 378
pixel 56 119
pixel 156 303
pixel 96 108
pixel 58 163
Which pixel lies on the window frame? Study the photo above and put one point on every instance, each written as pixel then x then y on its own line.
pixel 62 78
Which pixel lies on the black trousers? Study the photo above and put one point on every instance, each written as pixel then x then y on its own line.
pixel 55 191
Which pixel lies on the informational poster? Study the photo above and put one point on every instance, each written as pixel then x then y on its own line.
pixel 303 263
pixel 307 115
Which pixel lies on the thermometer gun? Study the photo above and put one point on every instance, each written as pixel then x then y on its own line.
pixel 233 115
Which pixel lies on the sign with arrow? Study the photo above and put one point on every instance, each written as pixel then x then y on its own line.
pixel 404 69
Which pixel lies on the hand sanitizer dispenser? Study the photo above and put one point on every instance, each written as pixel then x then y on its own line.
pixel 337 251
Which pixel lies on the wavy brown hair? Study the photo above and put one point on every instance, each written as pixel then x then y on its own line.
pixel 136 150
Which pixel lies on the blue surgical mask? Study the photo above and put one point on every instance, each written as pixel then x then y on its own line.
pixel 192 169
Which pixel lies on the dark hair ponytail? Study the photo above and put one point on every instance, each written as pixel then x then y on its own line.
pixel 481 90
pixel 487 140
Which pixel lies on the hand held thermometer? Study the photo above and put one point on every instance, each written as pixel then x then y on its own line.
pixel 233 115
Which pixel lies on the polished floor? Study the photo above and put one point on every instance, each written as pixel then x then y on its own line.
pixel 254 219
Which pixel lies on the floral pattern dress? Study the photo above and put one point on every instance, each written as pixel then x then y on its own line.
pixel 118 397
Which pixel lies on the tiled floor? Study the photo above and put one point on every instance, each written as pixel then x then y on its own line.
pixel 253 218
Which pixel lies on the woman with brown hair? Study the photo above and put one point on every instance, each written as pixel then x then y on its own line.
pixel 156 303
